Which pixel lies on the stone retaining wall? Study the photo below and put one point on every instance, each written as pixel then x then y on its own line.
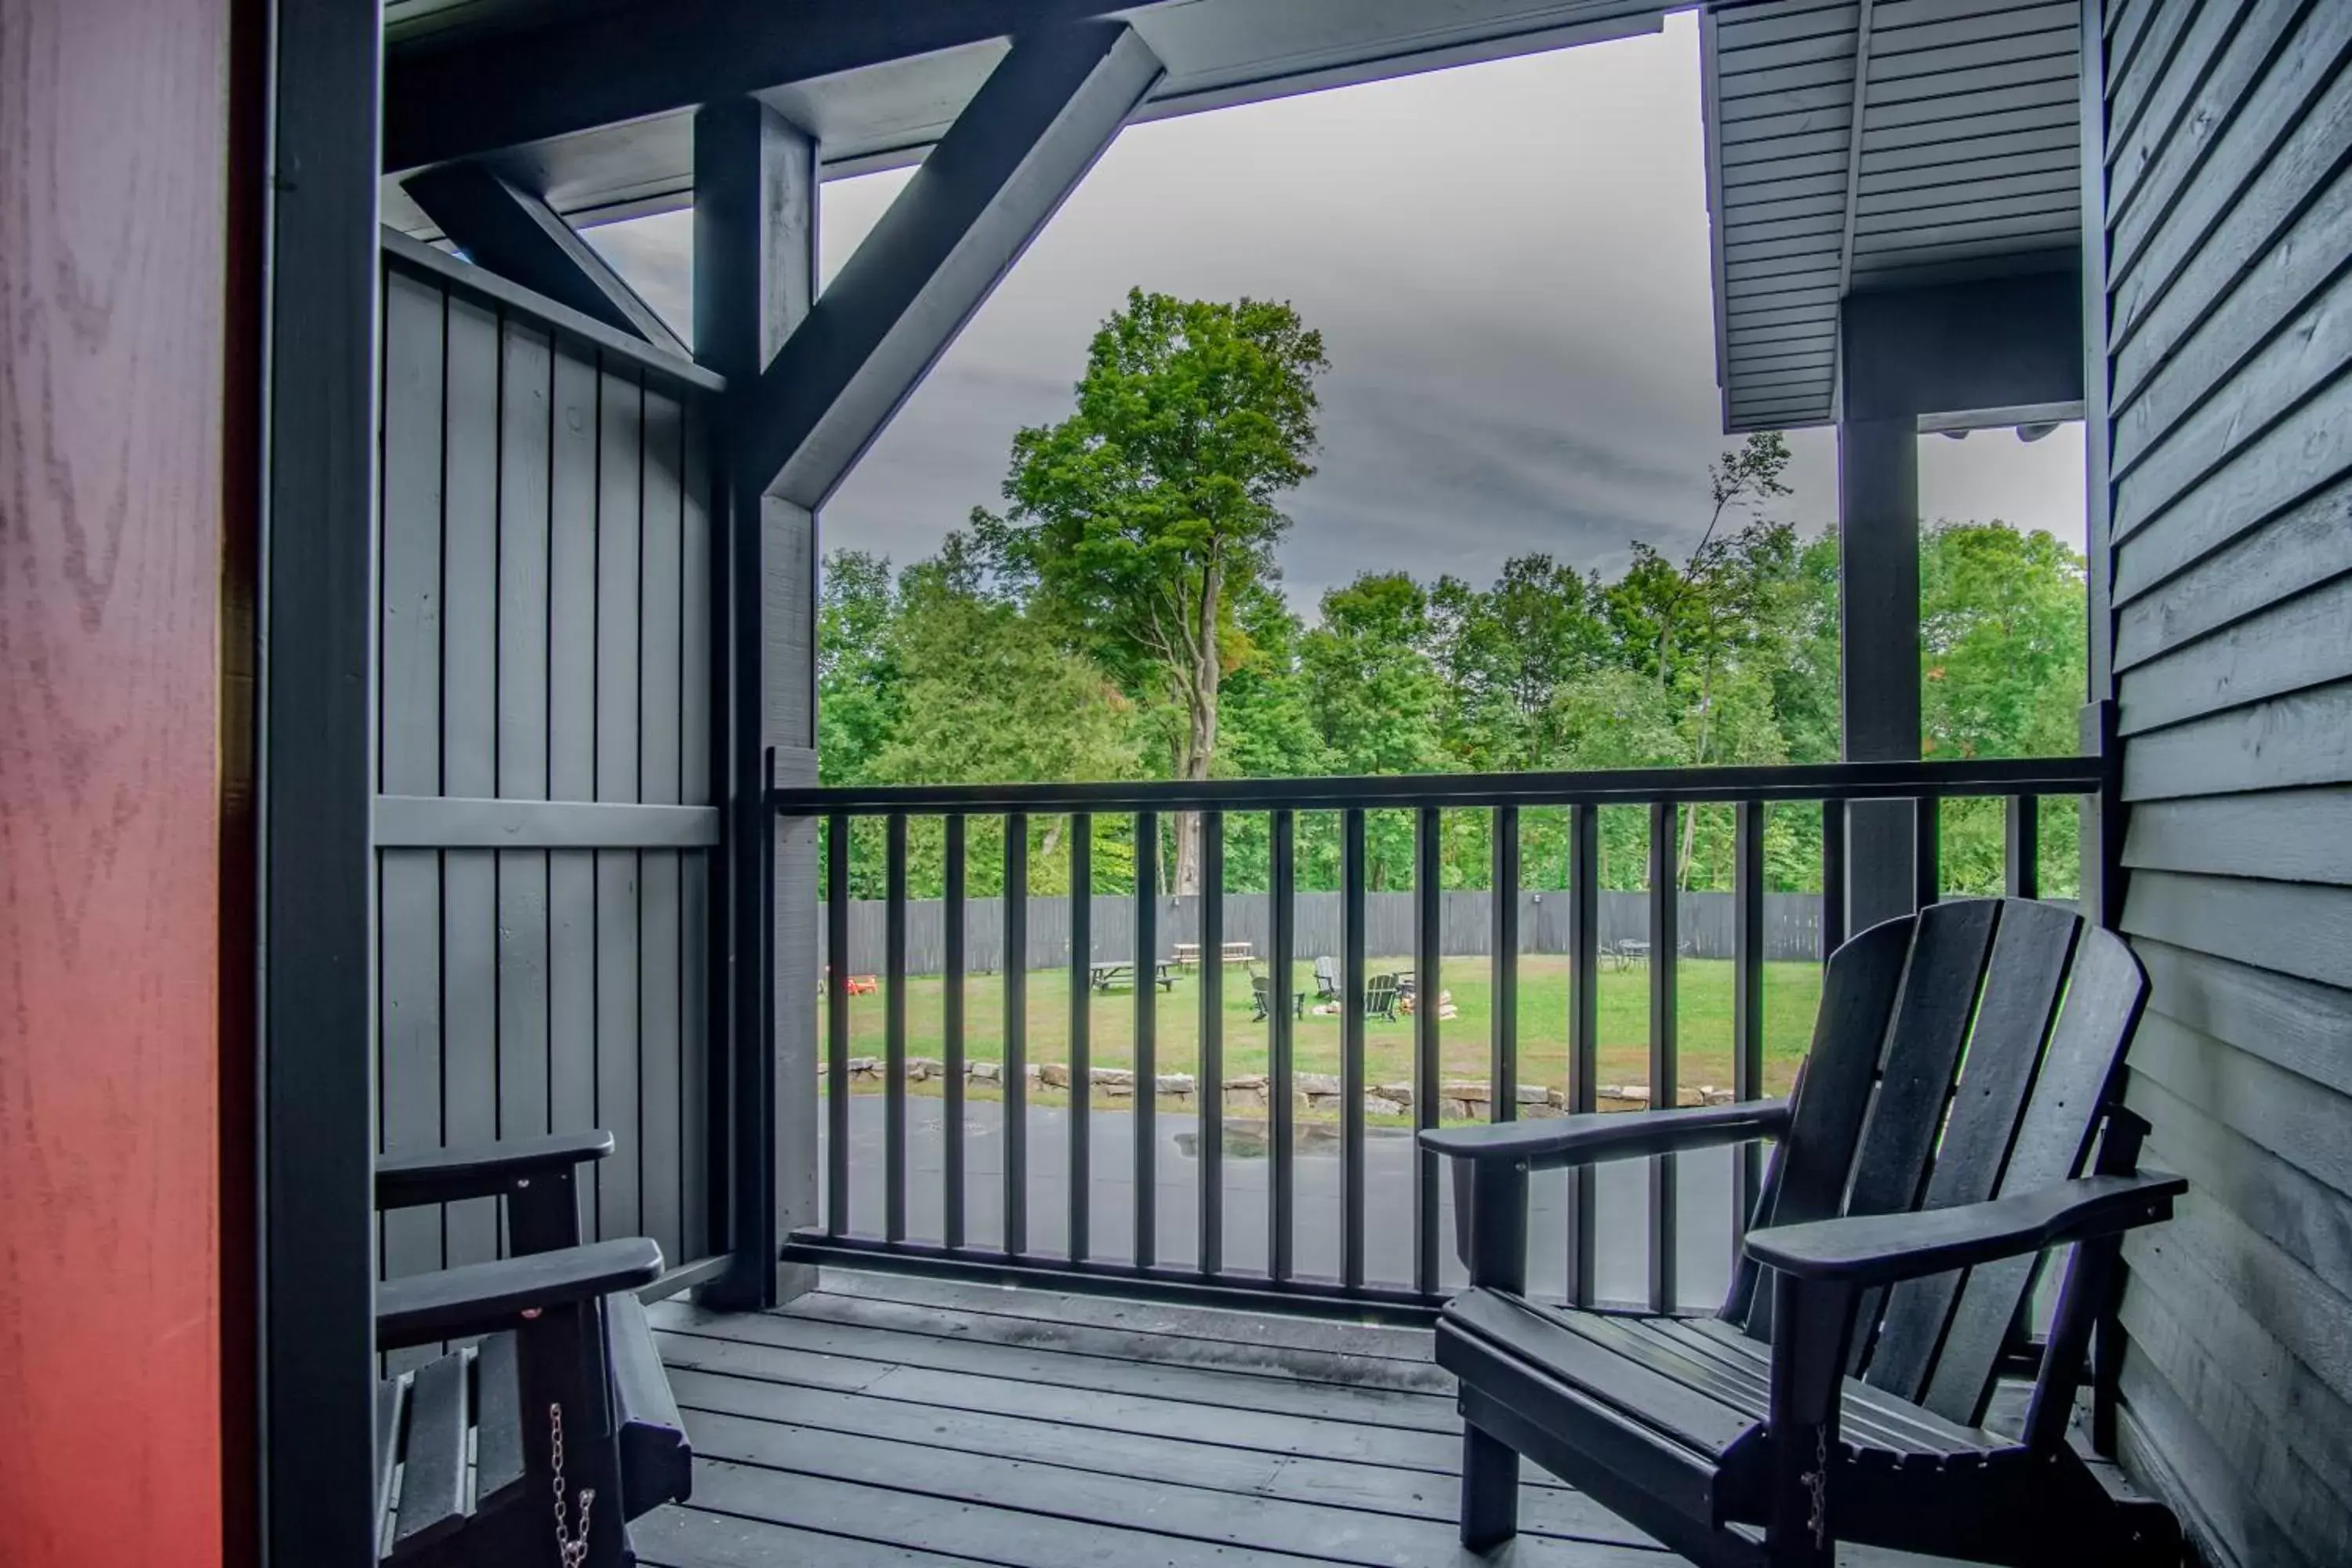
pixel 1458 1099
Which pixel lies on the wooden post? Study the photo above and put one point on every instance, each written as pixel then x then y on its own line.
pixel 1878 616
pixel 755 272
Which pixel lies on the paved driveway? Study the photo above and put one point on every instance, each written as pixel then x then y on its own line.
pixel 1705 1182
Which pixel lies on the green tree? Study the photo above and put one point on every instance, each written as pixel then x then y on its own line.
pixel 2003 660
pixel 1507 651
pixel 1136 525
pixel 1374 689
pixel 1376 695
pixel 857 672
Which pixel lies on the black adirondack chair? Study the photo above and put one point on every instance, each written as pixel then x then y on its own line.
pixel 565 1349
pixel 1381 996
pixel 1840 1393
pixel 1262 999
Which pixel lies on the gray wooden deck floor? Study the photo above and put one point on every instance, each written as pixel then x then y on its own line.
pixel 888 1419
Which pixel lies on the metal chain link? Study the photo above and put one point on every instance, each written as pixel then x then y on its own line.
pixel 570 1550
pixel 1818 1480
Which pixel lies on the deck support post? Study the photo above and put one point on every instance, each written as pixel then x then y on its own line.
pixel 1878 650
pixel 754 276
pixel 312 1364
pixel 1950 357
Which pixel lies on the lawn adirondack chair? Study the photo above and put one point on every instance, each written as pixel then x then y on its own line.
pixel 565 1349
pixel 1261 999
pixel 1381 996
pixel 1840 1393
pixel 1327 980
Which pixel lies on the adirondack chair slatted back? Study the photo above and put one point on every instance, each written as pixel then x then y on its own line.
pixel 2028 1010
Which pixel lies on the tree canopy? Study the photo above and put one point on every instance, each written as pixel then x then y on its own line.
pixel 1124 617
pixel 1138 526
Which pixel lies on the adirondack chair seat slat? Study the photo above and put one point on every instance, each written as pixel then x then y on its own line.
pixel 497 1422
pixel 1900 1428
pixel 656 1460
pixel 433 1468
pixel 1690 1416
pixel 1966 1065
pixel 391 1407
pixel 1713 1405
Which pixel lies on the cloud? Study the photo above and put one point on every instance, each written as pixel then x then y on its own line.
pixel 1509 266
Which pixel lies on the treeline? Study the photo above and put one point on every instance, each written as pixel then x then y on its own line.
pixel 962 668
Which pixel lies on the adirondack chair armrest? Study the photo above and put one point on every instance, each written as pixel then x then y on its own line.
pixel 488 1297
pixel 483 1169
pixel 1597 1136
pixel 1884 1249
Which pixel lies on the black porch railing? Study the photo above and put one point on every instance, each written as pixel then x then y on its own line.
pixel 1580 798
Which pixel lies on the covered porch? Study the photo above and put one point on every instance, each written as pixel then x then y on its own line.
pixel 498 594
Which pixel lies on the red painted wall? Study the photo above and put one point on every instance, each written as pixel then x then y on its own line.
pixel 114 477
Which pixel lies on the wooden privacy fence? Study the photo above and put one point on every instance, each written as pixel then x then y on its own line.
pixel 1792 927
pixel 546 828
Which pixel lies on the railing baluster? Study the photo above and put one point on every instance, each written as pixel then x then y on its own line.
pixel 1351 1049
pixel 846 1228
pixel 1147 1043
pixel 1426 978
pixel 1082 915
pixel 2021 845
pixel 1015 1071
pixel 1209 1085
pixel 1503 904
pixel 837 1023
pixel 1746 998
pixel 1832 877
pixel 894 1028
pixel 1280 1091
pixel 1664 938
pixel 951 1032
pixel 1583 1033
pixel 1926 851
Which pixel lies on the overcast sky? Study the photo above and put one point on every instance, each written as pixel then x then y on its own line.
pixel 1508 263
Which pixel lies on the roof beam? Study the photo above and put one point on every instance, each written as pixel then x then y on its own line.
pixel 1935 356
pixel 1022 143
pixel 518 236
pixel 608 64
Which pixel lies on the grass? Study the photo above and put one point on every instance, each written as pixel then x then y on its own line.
pixel 1791 993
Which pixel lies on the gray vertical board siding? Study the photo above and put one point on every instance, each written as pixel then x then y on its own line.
pixel 699 674
pixel 660 664
pixel 544 633
pixel 1792 927
pixel 409 750
pixel 469 576
pixel 525 401
pixel 620 496
pixel 2230 376
pixel 571 736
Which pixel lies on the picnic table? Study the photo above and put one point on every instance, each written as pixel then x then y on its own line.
pixel 1104 974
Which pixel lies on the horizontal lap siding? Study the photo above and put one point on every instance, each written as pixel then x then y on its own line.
pixel 2230 316
pixel 545 636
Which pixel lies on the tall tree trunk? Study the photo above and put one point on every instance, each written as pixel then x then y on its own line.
pixel 1201 725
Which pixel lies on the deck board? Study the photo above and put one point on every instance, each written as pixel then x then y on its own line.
pixel 893 1421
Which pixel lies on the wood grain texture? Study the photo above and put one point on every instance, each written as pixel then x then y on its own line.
pixel 113 473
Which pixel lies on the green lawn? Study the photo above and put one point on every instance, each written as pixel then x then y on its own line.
pixel 1791 993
